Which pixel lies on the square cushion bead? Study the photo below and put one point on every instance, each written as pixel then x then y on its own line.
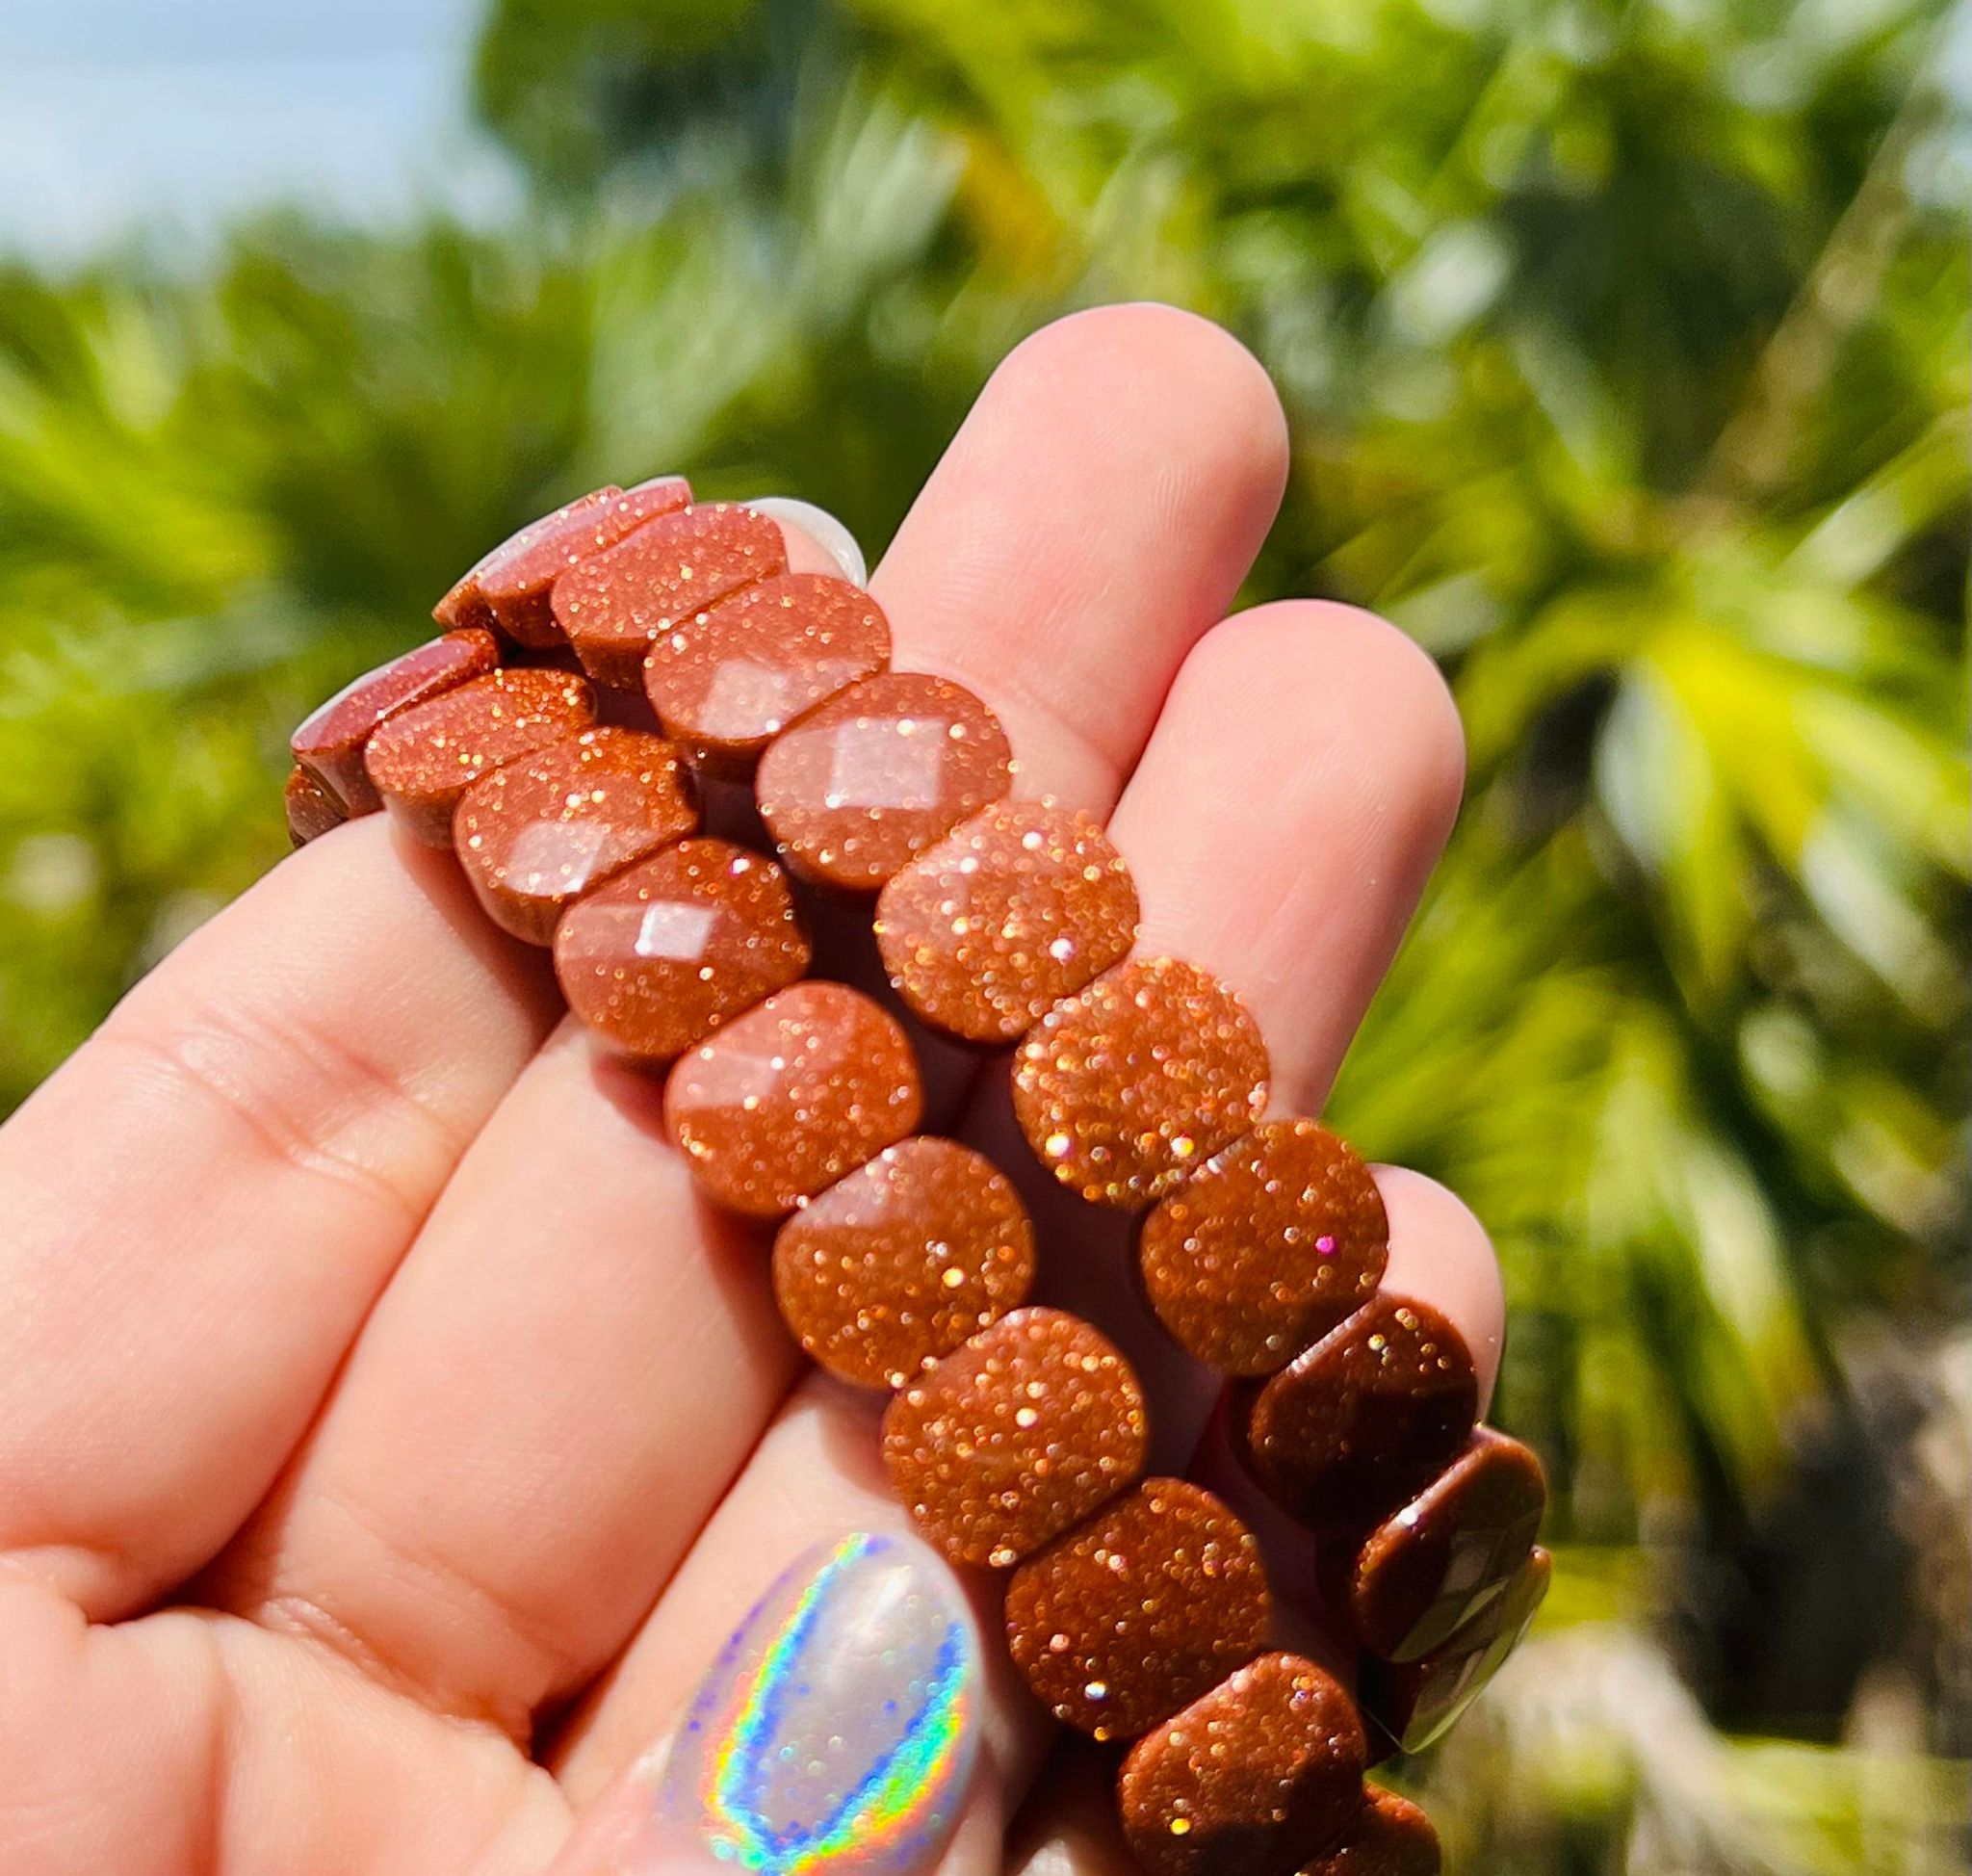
pixel 1413 1704
pixel 665 952
pixel 614 605
pixel 510 587
pixel 332 739
pixel 311 809
pixel 423 761
pixel 1362 1420
pixel 1265 1248
pixel 788 1097
pixel 1015 908
pixel 1015 1437
pixel 1433 1567
pixel 725 683
pixel 860 786
pixel 1387 1837
pixel 1148 1605
pixel 1250 1778
pixel 897 1263
pixel 1131 1084
pixel 536 835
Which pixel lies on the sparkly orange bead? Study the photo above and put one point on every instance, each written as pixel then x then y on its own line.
pixel 1267 1248
pixel 1014 910
pixel 1135 1082
pixel 859 787
pixel 898 1262
pixel 1387 1837
pixel 786 1100
pixel 311 809
pixel 536 835
pixel 1015 1437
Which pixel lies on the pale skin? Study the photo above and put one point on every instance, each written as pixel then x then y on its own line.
pixel 388 1432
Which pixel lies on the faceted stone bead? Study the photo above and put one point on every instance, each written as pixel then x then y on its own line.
pixel 332 739
pixel 1433 1566
pixel 423 761
pixel 659 957
pixel 1014 910
pixel 1139 1611
pixel 1015 1437
pixel 510 587
pixel 1248 1777
pixel 614 605
pixel 536 835
pixel 725 683
pixel 1127 1087
pixel 1270 1244
pixel 1415 1704
pixel 898 1262
pixel 786 1100
pixel 311 809
pixel 1357 1424
pixel 858 788
pixel 1387 1837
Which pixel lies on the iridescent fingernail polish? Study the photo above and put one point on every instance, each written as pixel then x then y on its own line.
pixel 837 1729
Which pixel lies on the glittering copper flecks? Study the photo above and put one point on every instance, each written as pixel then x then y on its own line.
pixel 465 604
pixel 1015 908
pixel 785 1100
pixel 1015 1437
pixel 860 786
pixel 1270 1244
pixel 331 739
pixel 422 761
pixel 898 1262
pixel 659 957
pixel 1415 1704
pixel 1131 1084
pixel 1139 1611
pixel 1248 1777
pixel 512 583
pixel 726 682
pixel 613 605
pixel 536 835
pixel 1357 1424
pixel 311 809
pixel 1388 1836
pixel 1430 1569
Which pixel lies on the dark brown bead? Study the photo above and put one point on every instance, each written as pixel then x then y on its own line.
pixel 536 835
pixel 311 809
pixel 725 683
pixel 1015 1437
pixel 1015 908
pixel 1358 1422
pixel 333 737
pixel 1415 1704
pixel 1430 1569
pixel 667 951
pixel 898 1262
pixel 423 761
pixel 1248 1777
pixel 860 786
pixel 1152 1602
pixel 786 1100
pixel 1263 1250
pixel 510 587
pixel 1388 1836
pixel 1129 1085
pixel 613 605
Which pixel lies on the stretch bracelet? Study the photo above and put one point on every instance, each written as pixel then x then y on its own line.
pixel 1136 1607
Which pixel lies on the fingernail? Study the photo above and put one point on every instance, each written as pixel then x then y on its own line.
pixel 821 527
pixel 833 1736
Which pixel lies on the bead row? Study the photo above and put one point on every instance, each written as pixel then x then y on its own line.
pixel 1136 1608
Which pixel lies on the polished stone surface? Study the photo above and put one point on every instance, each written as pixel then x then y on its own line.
pixel 311 809
pixel 1388 1836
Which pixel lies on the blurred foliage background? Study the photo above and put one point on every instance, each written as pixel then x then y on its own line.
pixel 1625 344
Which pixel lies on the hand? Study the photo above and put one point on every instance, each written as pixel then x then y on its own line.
pixel 388 1434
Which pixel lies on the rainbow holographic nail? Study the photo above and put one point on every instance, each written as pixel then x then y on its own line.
pixel 835 1730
